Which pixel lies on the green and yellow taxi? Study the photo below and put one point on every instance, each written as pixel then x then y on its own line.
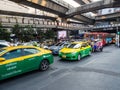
pixel 75 51
pixel 20 59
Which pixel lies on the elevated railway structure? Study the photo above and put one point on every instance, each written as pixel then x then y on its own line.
pixel 54 6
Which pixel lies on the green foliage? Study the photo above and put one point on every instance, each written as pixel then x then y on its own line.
pixel 17 30
pixel 23 33
pixel 4 33
pixel 40 34
pixel 26 33
pixel 50 34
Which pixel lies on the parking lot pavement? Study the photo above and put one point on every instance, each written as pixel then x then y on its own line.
pixel 100 71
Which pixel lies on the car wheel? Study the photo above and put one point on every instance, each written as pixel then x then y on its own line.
pixel 79 57
pixel 89 53
pixel 44 65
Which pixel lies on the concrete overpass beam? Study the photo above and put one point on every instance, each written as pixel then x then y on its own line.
pixel 45 5
pixel 92 7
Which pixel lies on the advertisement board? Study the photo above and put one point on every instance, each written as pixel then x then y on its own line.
pixel 62 34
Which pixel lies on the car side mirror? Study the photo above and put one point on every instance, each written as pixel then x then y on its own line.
pixel 2 59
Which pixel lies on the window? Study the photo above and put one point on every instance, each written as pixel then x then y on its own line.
pixel 1 46
pixel 28 51
pixel 84 45
pixel 74 45
pixel 65 45
pixel 12 54
pixel 57 44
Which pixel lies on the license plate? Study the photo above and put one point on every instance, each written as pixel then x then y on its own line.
pixel 63 56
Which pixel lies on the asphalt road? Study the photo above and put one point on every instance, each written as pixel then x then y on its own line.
pixel 100 71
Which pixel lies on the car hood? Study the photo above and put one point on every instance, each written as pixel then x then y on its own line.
pixel 68 50
pixel 54 47
pixel 45 51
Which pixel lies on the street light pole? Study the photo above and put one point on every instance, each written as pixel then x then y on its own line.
pixel 118 34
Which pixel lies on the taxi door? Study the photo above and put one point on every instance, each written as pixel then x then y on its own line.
pixel 11 66
pixel 31 59
pixel 82 51
pixel 85 50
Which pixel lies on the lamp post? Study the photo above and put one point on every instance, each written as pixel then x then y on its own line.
pixel 117 34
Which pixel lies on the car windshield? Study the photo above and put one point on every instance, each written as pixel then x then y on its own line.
pixel 66 45
pixel 58 44
pixel 74 46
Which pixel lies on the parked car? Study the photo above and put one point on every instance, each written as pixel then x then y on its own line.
pixel 75 51
pixel 4 43
pixel 20 59
pixel 31 43
pixel 55 48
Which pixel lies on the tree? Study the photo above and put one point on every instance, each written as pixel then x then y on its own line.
pixel 23 34
pixel 28 33
pixel 4 33
pixel 50 34
pixel 40 34
pixel 17 30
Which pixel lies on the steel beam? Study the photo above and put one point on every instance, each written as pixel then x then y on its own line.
pixel 92 7
pixel 49 6
pixel 84 19
pixel 109 17
pixel 26 15
pixel 81 2
pixel 45 5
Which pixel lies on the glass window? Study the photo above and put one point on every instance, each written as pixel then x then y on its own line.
pixel 84 45
pixel 65 45
pixel 60 44
pixel 74 46
pixel 28 51
pixel 57 44
pixel 12 54
pixel 1 46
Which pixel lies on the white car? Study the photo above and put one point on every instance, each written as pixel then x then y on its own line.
pixel 31 43
pixel 5 44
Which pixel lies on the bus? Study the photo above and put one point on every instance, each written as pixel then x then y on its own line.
pixel 105 37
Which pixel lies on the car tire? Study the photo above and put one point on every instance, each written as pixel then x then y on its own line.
pixel 44 65
pixel 79 57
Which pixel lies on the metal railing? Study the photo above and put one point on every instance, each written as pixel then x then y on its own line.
pixel 35 22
